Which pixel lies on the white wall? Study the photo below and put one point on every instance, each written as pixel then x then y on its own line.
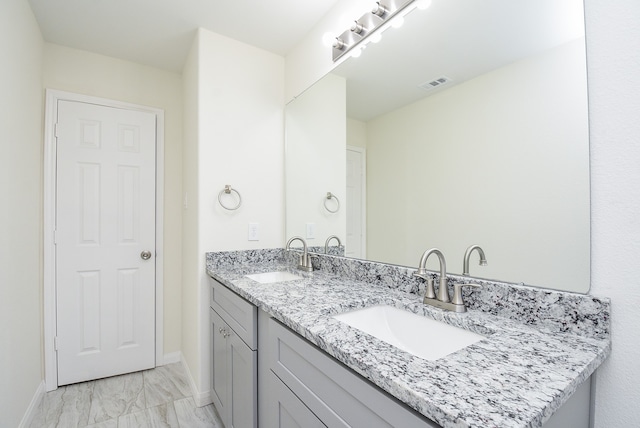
pixel 316 156
pixel 101 76
pixel 21 109
pixel 449 172
pixel 613 56
pixel 239 141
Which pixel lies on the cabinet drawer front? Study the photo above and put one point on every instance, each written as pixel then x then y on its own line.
pixel 285 410
pixel 337 395
pixel 241 315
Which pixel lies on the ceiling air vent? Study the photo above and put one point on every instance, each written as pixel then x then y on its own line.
pixel 435 83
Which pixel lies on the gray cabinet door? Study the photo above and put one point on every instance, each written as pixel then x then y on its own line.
pixel 219 370
pixel 243 370
pixel 285 410
pixel 234 372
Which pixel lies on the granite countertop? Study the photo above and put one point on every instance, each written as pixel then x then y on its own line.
pixel 516 377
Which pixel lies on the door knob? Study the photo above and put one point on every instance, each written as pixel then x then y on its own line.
pixel 145 255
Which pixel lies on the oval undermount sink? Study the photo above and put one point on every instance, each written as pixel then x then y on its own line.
pixel 421 336
pixel 271 277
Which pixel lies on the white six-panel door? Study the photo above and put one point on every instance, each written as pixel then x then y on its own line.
pixel 105 222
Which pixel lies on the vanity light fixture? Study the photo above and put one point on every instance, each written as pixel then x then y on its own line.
pixel 381 13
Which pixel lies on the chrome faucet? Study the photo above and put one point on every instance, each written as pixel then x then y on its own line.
pixel 305 259
pixel 326 243
pixel 467 256
pixel 441 300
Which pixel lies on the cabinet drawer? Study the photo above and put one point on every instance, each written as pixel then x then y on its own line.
pixel 335 394
pixel 241 315
pixel 285 410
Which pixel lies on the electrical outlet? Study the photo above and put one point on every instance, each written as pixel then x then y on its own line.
pixel 253 232
pixel 311 230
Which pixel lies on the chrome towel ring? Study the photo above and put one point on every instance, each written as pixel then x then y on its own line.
pixel 227 190
pixel 328 198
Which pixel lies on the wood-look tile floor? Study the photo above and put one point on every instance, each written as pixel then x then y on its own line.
pixel 160 397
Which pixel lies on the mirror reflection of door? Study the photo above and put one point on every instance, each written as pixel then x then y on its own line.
pixel 356 179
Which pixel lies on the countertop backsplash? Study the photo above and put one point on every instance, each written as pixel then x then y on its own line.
pixel 553 310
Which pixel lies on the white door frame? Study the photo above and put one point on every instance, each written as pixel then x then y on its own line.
pixel 363 163
pixel 49 261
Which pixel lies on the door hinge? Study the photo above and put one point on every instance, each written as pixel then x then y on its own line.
pixel 55 237
pixel 55 130
pixel 55 343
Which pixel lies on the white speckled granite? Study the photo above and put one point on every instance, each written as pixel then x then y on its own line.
pixel 525 369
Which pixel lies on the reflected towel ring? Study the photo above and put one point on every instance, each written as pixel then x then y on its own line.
pixel 328 198
pixel 227 190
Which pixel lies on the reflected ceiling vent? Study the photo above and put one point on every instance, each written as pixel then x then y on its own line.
pixel 435 83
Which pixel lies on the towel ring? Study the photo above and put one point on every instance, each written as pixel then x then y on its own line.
pixel 328 198
pixel 227 190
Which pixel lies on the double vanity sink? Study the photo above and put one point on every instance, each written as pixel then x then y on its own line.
pixel 473 369
pixel 418 335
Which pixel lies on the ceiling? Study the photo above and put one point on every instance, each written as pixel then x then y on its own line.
pixel 456 39
pixel 159 32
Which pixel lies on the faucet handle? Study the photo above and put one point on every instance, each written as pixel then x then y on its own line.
pixel 430 292
pixel 305 263
pixel 421 273
pixel 457 292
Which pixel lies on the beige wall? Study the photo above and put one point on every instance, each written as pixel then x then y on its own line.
pixel 21 108
pixel 236 90
pixel 356 133
pixel 101 76
pixel 491 162
pixel 190 237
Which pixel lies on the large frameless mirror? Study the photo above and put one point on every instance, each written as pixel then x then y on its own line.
pixel 467 125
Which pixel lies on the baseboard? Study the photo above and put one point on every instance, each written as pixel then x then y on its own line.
pixel 173 357
pixel 33 405
pixel 201 398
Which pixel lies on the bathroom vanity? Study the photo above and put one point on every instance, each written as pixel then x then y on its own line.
pixel 280 358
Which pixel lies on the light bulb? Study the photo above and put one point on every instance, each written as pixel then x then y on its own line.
pixel 357 28
pixel 379 9
pixel 327 39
